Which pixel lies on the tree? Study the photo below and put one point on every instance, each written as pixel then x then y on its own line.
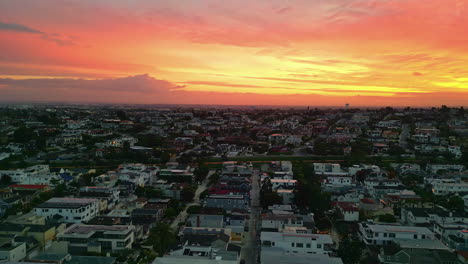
pixel 455 203
pixel 201 173
pixel 187 194
pixel 139 191
pixel 267 195
pixel 388 218
pixel 350 250
pixel 170 213
pixel 194 209
pixel 23 134
pixel 162 238
pixel 6 180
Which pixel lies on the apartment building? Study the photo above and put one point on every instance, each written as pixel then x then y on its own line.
pixel 445 188
pixel 68 210
pixel 374 234
pixel 97 238
pixel 228 202
pixel 298 243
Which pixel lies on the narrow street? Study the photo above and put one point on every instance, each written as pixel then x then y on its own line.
pixel 251 248
pixel 405 132
pixel 196 201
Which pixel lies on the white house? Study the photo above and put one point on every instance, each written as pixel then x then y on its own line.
pixel 283 182
pixel 328 168
pixel 338 181
pixel 444 188
pixel 298 243
pixel 373 234
pixel 70 210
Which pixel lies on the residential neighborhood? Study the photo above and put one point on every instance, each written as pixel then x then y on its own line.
pixel 127 184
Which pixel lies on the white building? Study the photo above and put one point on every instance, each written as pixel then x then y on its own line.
pixel 373 234
pixel 137 173
pixel 281 222
pixel 338 181
pixel 328 168
pixel 98 238
pixel 120 142
pixel 298 243
pixel 455 150
pixel 283 182
pixel 371 183
pixel 439 215
pixel 38 174
pixel 11 251
pixel 444 188
pixel 434 168
pixel 70 210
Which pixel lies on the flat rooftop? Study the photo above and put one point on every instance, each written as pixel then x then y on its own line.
pixel 86 229
pixel 67 203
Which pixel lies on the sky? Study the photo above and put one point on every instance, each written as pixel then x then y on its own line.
pixel 235 52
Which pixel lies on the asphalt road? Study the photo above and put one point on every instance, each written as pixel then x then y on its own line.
pixel 251 248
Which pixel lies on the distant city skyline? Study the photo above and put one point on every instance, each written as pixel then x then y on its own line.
pixel 298 53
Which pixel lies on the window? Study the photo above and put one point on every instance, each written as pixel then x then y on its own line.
pixel 415 236
pixel 423 236
pixel 307 245
pixel 292 244
pixel 319 245
pixel 376 234
pixel 300 245
pixel 391 235
pixel 385 235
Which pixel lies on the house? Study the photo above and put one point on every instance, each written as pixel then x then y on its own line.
pixel 368 204
pixel 287 195
pixel 110 195
pixel 200 239
pixel 228 202
pixel 11 250
pixel 237 224
pixel 200 246
pixel 279 255
pixel 407 251
pixel 446 188
pixel 374 234
pixel 147 218
pixel 458 241
pixel 120 142
pixel 298 243
pixel 202 220
pixel 435 168
pixel 43 234
pixel 27 219
pixel 328 168
pixel 440 215
pixel 277 183
pixel 68 210
pixel 337 181
pixel 237 170
pixel 97 238
pixel 349 211
pixel 280 222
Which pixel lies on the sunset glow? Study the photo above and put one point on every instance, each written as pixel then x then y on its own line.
pixel 321 52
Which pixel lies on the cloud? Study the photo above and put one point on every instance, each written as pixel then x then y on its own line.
pixel 133 88
pixel 18 28
pixel 59 39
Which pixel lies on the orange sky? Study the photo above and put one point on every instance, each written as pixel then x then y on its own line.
pixel 304 52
